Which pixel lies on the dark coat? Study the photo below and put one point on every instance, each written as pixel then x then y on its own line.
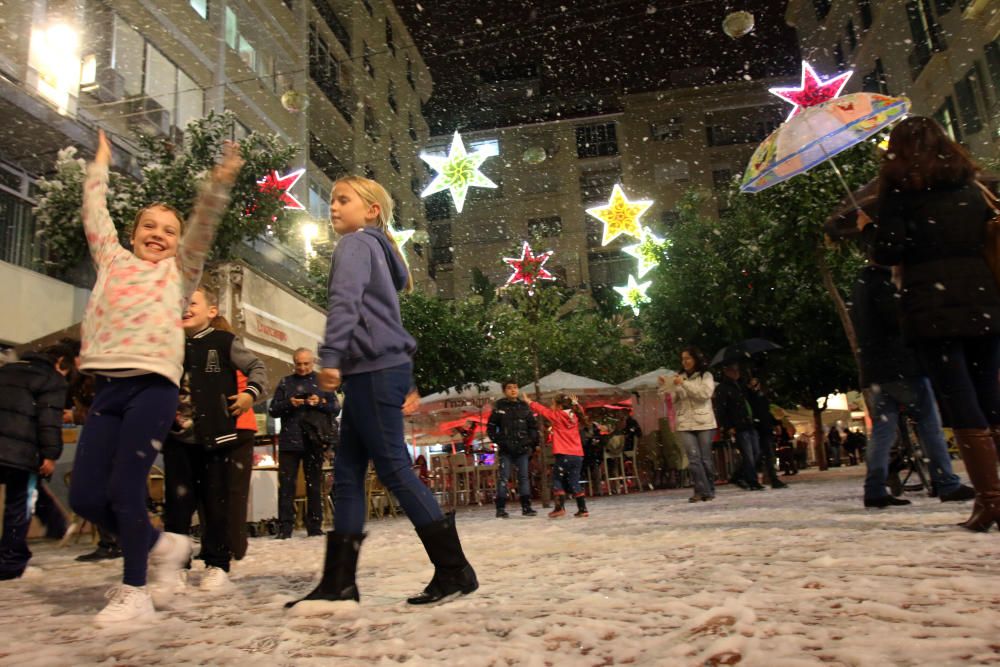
pixel 513 427
pixel 760 409
pixel 298 386
pixel 32 396
pixel 938 236
pixel 731 409
pixel 875 312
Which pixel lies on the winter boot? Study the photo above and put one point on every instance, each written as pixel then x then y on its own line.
pixel 339 567
pixel 581 506
pixel 980 455
pixel 558 511
pixel 526 508
pixel 502 509
pixel 102 552
pixel 453 575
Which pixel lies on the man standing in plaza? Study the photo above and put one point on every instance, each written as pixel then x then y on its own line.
pixel 514 429
pixel 297 401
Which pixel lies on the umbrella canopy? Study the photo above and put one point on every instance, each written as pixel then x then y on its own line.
pixel 818 133
pixel 561 382
pixel 743 350
pixel 646 381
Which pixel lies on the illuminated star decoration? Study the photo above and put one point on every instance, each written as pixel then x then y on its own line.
pixel 645 251
pixel 634 293
pixel 281 185
pixel 457 172
pixel 620 216
pixel 401 236
pixel 529 267
pixel 812 90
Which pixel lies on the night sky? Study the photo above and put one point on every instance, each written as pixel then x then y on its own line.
pixel 586 52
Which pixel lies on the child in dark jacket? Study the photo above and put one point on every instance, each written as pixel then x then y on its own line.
pixel 565 415
pixel 32 395
pixel 207 456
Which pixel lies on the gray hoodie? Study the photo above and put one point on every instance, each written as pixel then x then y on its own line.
pixel 364 331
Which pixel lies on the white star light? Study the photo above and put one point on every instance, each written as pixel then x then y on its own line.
pixel 645 251
pixel 634 293
pixel 457 172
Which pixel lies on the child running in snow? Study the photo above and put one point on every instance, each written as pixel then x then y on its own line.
pixel 565 416
pixel 207 456
pixel 133 342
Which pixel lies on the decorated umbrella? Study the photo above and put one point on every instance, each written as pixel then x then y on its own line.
pixel 819 133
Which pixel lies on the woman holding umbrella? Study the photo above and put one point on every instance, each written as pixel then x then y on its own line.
pixel 932 223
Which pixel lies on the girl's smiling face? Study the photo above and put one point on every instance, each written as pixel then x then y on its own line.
pixel 156 234
pixel 349 212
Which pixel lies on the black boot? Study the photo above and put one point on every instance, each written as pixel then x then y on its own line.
pixel 581 507
pixel 502 509
pixel 102 552
pixel 526 508
pixel 452 572
pixel 338 570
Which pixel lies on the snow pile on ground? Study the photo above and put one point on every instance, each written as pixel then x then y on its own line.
pixel 801 576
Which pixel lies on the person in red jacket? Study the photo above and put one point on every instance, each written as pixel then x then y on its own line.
pixel 565 415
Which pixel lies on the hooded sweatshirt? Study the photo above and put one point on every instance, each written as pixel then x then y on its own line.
pixel 565 429
pixel 364 330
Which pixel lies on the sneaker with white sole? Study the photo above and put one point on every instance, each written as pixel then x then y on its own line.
pixel 215 579
pixel 126 603
pixel 163 590
pixel 170 555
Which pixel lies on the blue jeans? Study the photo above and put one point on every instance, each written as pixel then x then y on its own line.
pixel 520 461
pixel 918 400
pixel 14 551
pixel 372 430
pixel 749 445
pixel 701 464
pixel 126 425
pixel 566 475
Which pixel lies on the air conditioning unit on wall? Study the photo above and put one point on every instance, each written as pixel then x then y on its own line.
pixel 146 116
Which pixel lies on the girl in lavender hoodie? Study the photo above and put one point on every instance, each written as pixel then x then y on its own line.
pixel 367 349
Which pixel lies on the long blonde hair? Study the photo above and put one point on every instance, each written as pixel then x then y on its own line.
pixel 373 193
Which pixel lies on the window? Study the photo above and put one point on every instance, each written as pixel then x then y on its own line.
pixel 232 29
pixel 741 125
pixel 669 218
pixel 670 129
pixel 838 55
pixel 852 36
pixel 722 179
pixel 393 154
pixel 865 9
pixel 324 159
pixel 319 201
pixel 545 227
pixel 927 35
pixel 949 119
pixel 438 207
pixel 596 140
pixel 389 37
pixel 409 73
pixel 248 54
pixel 127 56
pixel 172 89
pixel 200 6
pixel 371 128
pixel 366 60
pixel 368 7
pixel 413 127
pixel 333 23
pixel 596 185
pixel 370 172
pixel 677 171
pixel 416 185
pixel 822 8
pixel 874 81
pixel 391 98
pixel 441 242
pixel 190 100
pixel 992 51
pixel 968 105
pixel 329 74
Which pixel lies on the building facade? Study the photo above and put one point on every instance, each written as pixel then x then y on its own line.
pixel 658 146
pixel 942 54
pixel 69 67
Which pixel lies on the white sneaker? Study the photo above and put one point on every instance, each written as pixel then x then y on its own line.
pixel 167 559
pixel 163 590
pixel 126 603
pixel 215 579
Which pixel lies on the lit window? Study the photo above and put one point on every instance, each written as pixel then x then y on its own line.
pixel 200 6
pixel 232 31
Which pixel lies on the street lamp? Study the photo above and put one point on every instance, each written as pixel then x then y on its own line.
pixel 309 231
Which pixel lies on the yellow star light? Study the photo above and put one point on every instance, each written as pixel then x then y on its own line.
pixel 634 293
pixel 645 251
pixel 620 216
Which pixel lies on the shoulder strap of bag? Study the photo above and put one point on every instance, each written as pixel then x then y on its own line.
pixel 989 197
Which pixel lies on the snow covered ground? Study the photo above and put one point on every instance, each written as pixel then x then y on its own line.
pixel 802 576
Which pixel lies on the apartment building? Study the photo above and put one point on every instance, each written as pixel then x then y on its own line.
pixel 69 67
pixel 657 145
pixel 942 54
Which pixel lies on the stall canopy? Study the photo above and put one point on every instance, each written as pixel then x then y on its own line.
pixel 649 407
pixel 646 381
pixel 587 389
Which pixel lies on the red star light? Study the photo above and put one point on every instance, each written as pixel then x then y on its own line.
pixel 282 184
pixel 813 90
pixel 529 268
